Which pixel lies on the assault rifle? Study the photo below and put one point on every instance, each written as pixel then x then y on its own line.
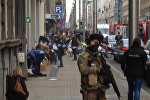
pixel 108 77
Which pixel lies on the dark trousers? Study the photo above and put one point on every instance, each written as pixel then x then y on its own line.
pixel 74 53
pixel 37 68
pixel 39 59
pixel 60 59
pixel 134 87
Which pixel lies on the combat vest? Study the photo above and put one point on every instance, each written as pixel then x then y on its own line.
pixel 91 60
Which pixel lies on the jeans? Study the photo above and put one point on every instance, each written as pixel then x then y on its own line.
pixel 39 59
pixel 37 69
pixel 60 59
pixel 135 85
pixel 74 53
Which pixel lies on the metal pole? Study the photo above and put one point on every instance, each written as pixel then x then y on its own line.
pixel 95 16
pixel 86 1
pixel 75 15
pixel 73 18
pixel 83 19
pixel 133 20
pixel 79 13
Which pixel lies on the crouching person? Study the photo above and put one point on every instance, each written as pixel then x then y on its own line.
pixel 15 86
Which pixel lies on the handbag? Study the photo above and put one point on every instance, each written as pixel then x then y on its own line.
pixel 18 88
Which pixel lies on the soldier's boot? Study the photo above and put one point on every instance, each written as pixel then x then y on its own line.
pixel 102 96
pixel 93 96
pixel 89 96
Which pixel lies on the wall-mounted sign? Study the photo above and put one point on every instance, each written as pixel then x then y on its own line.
pixel 28 19
pixel 52 16
pixel 58 9
pixel 21 57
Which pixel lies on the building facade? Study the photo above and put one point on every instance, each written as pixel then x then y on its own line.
pixel 106 11
pixel 52 25
pixel 144 10
pixel 89 18
pixel 12 39
pixel 125 10
pixel 34 28
pixel 22 22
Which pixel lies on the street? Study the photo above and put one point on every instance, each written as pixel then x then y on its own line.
pixel 66 85
pixel 32 31
pixel 117 65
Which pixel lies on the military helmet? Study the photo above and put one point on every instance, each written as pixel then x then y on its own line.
pixel 94 36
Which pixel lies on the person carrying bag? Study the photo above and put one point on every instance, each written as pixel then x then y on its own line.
pixel 15 86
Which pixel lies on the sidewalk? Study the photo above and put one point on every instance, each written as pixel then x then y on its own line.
pixel 67 85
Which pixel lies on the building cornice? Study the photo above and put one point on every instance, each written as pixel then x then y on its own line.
pixel 10 43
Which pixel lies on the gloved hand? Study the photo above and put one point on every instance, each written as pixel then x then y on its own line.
pixel 101 72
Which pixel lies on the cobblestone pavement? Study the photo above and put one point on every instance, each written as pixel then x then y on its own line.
pixel 67 85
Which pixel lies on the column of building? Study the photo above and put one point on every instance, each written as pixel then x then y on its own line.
pixel 16 33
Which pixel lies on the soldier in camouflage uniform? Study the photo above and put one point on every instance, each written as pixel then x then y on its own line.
pixel 90 65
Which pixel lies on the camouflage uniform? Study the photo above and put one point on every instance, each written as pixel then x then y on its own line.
pixel 97 90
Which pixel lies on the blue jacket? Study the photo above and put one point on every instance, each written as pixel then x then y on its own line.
pixel 35 53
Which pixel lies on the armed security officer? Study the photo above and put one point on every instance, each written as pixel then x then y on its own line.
pixel 90 65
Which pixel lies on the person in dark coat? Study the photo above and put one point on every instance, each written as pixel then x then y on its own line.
pixel 75 43
pixel 60 53
pixel 10 84
pixel 132 64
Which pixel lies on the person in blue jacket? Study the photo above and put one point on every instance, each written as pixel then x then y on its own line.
pixel 37 57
